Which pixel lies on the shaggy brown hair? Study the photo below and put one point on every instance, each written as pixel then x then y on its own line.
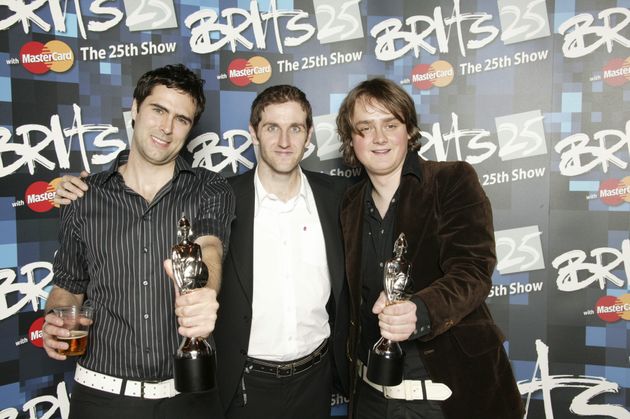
pixel 387 94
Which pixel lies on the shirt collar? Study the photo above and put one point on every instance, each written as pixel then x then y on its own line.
pixel 261 194
pixel 181 165
pixel 412 165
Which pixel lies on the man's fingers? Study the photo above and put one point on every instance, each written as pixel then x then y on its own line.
pixel 380 304
pixel 51 329
pixel 54 354
pixel 196 312
pixel 396 332
pixel 67 191
pixel 76 182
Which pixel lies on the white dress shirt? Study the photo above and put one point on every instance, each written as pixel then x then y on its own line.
pixel 291 277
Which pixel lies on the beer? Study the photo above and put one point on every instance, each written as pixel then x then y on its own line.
pixel 77 320
pixel 77 343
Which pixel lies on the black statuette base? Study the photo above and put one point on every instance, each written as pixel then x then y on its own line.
pixel 194 375
pixel 385 370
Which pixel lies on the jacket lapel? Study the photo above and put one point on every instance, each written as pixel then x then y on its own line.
pixel 327 211
pixel 242 235
pixel 351 222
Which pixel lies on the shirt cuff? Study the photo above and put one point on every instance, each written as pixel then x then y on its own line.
pixel 423 323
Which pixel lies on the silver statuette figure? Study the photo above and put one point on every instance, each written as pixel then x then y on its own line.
pixel 386 359
pixel 195 360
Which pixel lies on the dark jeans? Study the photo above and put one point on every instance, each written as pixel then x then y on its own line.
pixel 88 403
pixel 304 395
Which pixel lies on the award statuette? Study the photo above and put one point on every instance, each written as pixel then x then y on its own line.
pixel 386 359
pixel 195 360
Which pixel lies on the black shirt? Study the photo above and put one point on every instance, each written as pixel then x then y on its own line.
pixel 112 246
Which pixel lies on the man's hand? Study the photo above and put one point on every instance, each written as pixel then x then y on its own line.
pixel 396 321
pixel 53 327
pixel 196 311
pixel 70 189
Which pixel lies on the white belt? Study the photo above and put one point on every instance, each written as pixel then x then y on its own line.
pixel 409 389
pixel 109 384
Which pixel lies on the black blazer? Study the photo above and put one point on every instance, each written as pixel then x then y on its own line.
pixel 235 298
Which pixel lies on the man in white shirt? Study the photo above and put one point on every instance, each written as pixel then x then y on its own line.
pixel 282 321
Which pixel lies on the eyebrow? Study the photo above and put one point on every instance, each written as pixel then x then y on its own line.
pixel 178 115
pixel 293 124
pixel 367 121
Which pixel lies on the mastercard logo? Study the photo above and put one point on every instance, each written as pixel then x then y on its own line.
pixel 35 333
pixel 439 74
pixel 614 191
pixel 40 59
pixel 39 195
pixel 256 70
pixel 611 309
pixel 617 71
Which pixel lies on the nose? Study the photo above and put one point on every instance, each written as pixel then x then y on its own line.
pixel 166 124
pixel 284 141
pixel 379 137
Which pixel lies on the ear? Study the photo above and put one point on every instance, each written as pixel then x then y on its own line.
pixel 309 136
pixel 252 133
pixel 134 110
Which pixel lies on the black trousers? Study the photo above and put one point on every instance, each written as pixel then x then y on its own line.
pixel 88 403
pixel 371 404
pixel 304 395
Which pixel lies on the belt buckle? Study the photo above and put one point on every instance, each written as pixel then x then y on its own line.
pixel 286 367
pixel 142 383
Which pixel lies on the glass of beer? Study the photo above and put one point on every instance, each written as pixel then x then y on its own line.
pixel 77 319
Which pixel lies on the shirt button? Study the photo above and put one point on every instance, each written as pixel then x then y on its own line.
pixel 145 283
pixel 380 264
pixel 146 316
pixel 145 250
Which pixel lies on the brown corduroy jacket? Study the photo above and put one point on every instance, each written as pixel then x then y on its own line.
pixel 447 220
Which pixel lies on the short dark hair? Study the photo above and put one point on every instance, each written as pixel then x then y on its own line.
pixel 176 76
pixel 281 93
pixel 389 95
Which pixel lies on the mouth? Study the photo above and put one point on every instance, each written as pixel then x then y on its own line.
pixel 284 153
pixel 381 151
pixel 160 142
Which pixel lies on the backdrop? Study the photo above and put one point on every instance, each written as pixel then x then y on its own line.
pixel 533 93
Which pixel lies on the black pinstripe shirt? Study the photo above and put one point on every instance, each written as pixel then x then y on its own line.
pixel 112 245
